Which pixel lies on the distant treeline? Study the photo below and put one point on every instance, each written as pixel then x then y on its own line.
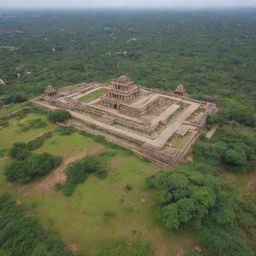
pixel 212 53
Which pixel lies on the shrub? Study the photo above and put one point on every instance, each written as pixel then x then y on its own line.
pixel 32 167
pixel 128 187
pixel 231 148
pixel 78 171
pixel 39 141
pixel 182 197
pixel 33 124
pixel 234 113
pixel 19 151
pixel 15 98
pixel 63 130
pixel 4 122
pixel 58 186
pixel 22 235
pixel 211 206
pixel 17 171
pixel 41 164
pixel 58 115
pixel 101 174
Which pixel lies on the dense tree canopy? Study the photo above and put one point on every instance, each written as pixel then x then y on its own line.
pixel 233 148
pixel 183 197
pixel 21 235
pixel 188 197
pixel 19 151
pixel 36 165
pixel 58 115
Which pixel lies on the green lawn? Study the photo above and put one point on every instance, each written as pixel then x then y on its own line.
pixel 11 108
pixel 13 133
pixel 93 96
pixel 179 141
pixel 81 219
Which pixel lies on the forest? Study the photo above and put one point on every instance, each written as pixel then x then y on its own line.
pixel 213 53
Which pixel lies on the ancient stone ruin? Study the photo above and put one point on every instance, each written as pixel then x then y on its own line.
pixel 50 92
pixel 158 125
pixel 180 90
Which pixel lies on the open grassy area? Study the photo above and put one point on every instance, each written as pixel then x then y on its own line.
pixel 13 132
pixel 100 209
pixel 179 141
pixel 93 96
pixel 11 108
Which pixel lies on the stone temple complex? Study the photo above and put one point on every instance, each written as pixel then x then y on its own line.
pixel 157 125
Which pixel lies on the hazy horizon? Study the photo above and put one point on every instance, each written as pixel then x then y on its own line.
pixel 85 4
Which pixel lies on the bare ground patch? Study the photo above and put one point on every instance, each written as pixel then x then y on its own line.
pixel 49 181
pixel 251 180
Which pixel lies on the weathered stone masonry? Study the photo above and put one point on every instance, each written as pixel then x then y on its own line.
pixel 149 122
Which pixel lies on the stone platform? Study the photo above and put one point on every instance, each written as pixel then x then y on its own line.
pixel 140 119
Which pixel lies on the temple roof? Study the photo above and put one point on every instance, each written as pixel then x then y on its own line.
pixel 50 89
pixel 123 80
pixel 180 87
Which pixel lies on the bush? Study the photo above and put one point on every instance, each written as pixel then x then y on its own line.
pixel 211 206
pixel 4 122
pixel 231 148
pixel 101 174
pixel 15 98
pixel 19 151
pixel 41 164
pixel 78 171
pixel 22 235
pixel 33 124
pixel 39 141
pixel 58 115
pixel 182 197
pixel 128 187
pixel 58 186
pixel 63 130
pixel 17 171
pixel 32 167
pixel 234 113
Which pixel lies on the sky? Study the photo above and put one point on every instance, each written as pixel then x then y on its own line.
pixel 126 3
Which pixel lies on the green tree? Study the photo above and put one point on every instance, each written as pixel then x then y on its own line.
pixel 19 151
pixel 58 115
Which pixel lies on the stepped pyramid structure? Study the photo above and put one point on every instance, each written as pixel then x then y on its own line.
pixel 158 125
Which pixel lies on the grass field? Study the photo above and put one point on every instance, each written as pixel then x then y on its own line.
pixel 11 108
pixel 93 96
pixel 13 133
pixel 100 209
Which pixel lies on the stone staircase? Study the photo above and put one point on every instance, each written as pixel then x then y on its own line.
pixel 107 119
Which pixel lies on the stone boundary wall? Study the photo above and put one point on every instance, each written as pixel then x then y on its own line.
pixel 144 127
pixel 125 144
pixel 212 109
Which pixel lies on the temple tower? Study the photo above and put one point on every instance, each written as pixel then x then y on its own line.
pixel 180 90
pixel 122 91
pixel 50 92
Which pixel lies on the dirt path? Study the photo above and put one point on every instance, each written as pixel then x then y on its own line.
pixel 251 180
pixel 212 131
pixel 56 176
pixel 4 158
